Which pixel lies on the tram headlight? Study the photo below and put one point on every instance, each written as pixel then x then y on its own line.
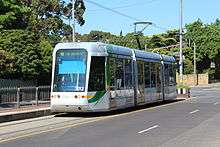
pixel 55 96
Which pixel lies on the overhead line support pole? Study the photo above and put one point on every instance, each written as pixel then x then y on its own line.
pixel 73 18
pixel 181 42
pixel 195 73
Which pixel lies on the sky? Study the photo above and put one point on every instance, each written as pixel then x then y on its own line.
pixel 163 13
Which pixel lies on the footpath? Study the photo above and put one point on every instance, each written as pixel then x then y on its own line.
pixel 30 111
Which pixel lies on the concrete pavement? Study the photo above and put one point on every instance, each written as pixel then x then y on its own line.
pixel 24 112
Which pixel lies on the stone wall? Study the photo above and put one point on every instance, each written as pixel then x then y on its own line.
pixel 191 80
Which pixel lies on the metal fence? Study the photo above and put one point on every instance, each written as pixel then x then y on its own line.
pixel 25 95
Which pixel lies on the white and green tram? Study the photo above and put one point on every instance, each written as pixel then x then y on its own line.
pixel 93 76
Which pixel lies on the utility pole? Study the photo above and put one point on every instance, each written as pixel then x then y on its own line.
pixel 73 19
pixel 181 42
pixel 195 73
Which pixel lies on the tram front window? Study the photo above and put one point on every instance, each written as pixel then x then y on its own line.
pixel 70 71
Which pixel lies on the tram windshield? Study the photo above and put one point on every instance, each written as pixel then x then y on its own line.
pixel 70 71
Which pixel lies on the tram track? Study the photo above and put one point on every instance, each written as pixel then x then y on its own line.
pixel 33 127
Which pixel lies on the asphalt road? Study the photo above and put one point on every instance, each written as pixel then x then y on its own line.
pixel 193 122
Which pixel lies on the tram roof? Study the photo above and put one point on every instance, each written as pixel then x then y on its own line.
pixel 147 55
pixel 119 50
pixel 98 47
pixel 168 59
pixel 72 45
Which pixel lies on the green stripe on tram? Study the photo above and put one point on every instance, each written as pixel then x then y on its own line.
pixel 97 96
pixel 107 75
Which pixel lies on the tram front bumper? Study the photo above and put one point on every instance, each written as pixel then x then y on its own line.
pixel 70 108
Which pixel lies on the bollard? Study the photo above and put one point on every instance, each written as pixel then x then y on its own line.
pixel 36 96
pixel 18 97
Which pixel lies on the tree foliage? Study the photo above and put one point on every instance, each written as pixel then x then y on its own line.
pixel 13 14
pixel 29 29
pixel 207 40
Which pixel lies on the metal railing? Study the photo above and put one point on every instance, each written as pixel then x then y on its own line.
pixel 25 95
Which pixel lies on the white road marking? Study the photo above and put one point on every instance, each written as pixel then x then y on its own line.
pixel 216 103
pixel 143 131
pixel 194 111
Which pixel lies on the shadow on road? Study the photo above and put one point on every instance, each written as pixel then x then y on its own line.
pixel 115 112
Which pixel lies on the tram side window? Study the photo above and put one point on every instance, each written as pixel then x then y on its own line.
pixel 158 77
pixel 97 74
pixel 128 73
pixel 140 74
pixel 153 74
pixel 166 74
pixel 119 74
pixel 172 74
pixel 147 75
pixel 111 63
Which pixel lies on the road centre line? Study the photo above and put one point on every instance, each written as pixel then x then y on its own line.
pixel 216 103
pixel 148 129
pixel 194 111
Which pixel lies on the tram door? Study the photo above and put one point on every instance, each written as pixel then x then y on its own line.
pixel 120 82
pixel 166 81
pixel 112 82
pixel 140 92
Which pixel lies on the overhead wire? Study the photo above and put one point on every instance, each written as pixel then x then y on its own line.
pixel 124 15
pixel 159 27
pixel 128 6
pixel 112 10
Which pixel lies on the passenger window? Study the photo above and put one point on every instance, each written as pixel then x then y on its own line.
pixel 158 77
pixel 97 74
pixel 111 63
pixel 140 75
pixel 153 75
pixel 172 74
pixel 119 74
pixel 147 75
pixel 166 74
pixel 128 74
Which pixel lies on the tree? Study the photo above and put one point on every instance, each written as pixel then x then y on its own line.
pixel 31 54
pixel 207 40
pixel 13 14
pixel 7 64
pixel 79 8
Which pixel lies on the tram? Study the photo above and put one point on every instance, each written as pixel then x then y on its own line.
pixel 94 77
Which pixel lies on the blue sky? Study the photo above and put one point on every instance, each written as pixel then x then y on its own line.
pixel 163 13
